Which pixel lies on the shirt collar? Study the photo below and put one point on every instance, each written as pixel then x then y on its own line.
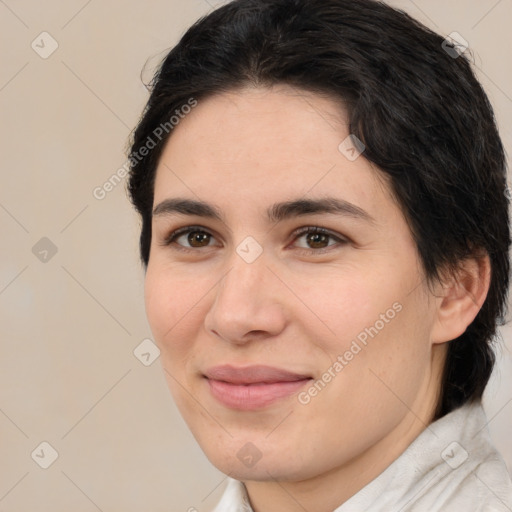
pixel 440 462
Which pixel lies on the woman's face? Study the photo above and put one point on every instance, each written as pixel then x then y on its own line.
pixel 291 310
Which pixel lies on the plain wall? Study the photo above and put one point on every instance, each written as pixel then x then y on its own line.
pixel 70 321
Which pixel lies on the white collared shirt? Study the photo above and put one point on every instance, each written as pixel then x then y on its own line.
pixel 451 466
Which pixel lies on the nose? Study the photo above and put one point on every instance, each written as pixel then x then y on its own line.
pixel 248 305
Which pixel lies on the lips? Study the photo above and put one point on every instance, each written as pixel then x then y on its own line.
pixel 252 387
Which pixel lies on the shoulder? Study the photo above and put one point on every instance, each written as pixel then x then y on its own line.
pixel 471 474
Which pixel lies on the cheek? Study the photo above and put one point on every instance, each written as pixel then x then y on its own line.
pixel 386 359
pixel 374 324
pixel 343 305
pixel 172 306
pixel 370 381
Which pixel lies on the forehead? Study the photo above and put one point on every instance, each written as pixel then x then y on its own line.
pixel 261 145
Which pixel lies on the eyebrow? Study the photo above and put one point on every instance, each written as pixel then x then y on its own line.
pixel 295 208
pixel 276 213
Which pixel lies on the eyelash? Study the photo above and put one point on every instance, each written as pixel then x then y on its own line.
pixel 170 239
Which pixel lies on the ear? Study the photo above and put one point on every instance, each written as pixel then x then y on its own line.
pixel 460 298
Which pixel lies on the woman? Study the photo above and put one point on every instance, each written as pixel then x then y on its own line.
pixel 325 237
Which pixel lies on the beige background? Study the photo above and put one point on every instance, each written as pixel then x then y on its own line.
pixel 69 325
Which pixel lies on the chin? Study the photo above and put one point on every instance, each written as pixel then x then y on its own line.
pixel 257 459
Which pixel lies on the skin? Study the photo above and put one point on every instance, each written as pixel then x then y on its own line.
pixel 301 303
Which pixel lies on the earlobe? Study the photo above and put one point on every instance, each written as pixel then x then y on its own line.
pixel 460 298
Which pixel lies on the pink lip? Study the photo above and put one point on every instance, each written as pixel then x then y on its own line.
pixel 252 387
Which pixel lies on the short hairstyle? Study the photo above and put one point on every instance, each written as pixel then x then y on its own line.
pixel 423 117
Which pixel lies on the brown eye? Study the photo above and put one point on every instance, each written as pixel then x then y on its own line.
pixel 198 239
pixel 191 238
pixel 317 240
